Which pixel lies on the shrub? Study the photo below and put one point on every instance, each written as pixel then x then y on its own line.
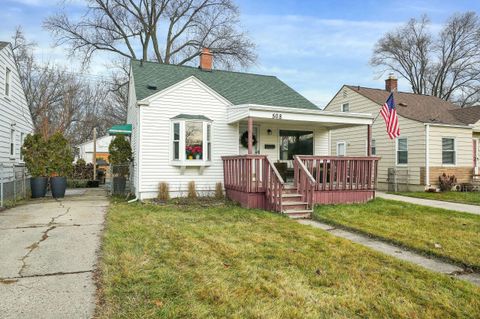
pixel 163 192
pixel 34 151
pixel 218 191
pixel 192 191
pixel 120 154
pixel 81 170
pixel 446 182
pixel 60 155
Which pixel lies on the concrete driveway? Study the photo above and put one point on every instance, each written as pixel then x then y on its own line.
pixel 48 254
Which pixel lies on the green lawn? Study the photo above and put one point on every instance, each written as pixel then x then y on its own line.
pixel 414 226
pixel 223 261
pixel 472 198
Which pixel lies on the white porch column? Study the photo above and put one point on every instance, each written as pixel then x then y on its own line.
pixel 250 136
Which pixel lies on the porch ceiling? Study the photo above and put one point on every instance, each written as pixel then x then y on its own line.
pixel 272 114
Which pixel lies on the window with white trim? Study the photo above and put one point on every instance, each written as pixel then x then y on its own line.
pixel 209 142
pixel 448 151
pixel 373 146
pixel 7 81
pixel 341 148
pixel 176 141
pixel 191 141
pixel 402 151
pixel 345 107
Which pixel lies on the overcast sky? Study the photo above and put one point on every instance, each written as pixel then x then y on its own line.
pixel 314 46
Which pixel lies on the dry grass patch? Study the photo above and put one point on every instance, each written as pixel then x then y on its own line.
pixel 227 262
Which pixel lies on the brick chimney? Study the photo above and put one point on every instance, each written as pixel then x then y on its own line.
pixel 206 59
pixel 391 83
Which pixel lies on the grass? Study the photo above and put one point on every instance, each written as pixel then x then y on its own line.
pixel 413 226
pixel 472 198
pixel 221 261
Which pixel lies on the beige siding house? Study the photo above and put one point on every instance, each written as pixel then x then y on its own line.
pixel 434 139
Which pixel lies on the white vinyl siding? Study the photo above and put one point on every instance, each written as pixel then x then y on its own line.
pixel 385 148
pixel 14 115
pixel 155 165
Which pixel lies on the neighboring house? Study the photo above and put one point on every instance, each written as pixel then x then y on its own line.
pixel 471 115
pixel 15 119
pixel 85 150
pixel 185 120
pixel 433 140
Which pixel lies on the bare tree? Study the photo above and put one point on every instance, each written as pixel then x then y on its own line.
pixel 446 65
pixel 167 31
pixel 65 101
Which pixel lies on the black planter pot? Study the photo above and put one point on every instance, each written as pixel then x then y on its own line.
pixel 58 184
pixel 119 185
pixel 38 186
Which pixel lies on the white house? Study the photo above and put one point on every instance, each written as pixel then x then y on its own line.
pixel 85 150
pixel 186 121
pixel 15 118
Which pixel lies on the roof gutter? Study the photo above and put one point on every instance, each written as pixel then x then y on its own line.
pixel 450 125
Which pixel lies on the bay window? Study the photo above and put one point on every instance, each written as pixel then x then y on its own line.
pixel 191 140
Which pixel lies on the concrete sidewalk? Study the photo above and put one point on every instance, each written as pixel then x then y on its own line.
pixel 429 263
pixel 471 209
pixel 48 255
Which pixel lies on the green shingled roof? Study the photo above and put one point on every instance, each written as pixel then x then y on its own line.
pixel 191 117
pixel 236 87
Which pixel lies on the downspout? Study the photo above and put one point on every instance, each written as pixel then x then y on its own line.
pixel 427 155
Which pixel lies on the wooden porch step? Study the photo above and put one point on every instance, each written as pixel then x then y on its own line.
pixel 298 213
pixel 294 205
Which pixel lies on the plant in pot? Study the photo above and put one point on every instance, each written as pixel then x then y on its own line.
pixel 60 163
pixel 120 154
pixel 34 151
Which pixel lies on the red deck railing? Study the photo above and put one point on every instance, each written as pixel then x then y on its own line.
pixel 254 174
pixel 335 173
pixel 304 181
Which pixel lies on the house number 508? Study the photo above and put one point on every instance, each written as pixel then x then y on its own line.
pixel 277 116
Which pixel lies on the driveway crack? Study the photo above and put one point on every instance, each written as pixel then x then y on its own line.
pixel 51 225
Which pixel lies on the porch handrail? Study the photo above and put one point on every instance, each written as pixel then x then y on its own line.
pixel 244 173
pixel 304 181
pixel 274 188
pixel 339 173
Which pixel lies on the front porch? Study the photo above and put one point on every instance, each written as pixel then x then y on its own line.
pixel 254 182
pixel 297 140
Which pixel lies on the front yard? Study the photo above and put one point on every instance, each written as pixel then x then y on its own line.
pixel 447 234
pixel 472 198
pixel 223 261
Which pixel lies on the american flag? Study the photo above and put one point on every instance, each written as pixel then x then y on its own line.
pixel 389 114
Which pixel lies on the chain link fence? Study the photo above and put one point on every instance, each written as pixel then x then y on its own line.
pixel 14 184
